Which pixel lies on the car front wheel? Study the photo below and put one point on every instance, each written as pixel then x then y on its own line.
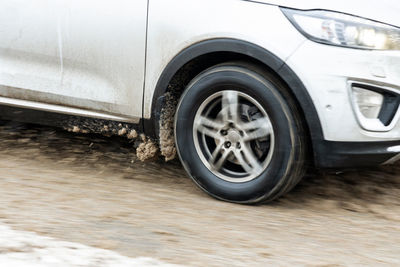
pixel 239 134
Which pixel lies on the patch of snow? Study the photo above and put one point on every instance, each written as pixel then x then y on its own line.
pixel 20 248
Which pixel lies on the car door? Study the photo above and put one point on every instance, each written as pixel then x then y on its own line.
pixel 84 54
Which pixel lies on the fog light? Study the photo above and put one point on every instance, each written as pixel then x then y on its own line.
pixel 376 108
pixel 369 103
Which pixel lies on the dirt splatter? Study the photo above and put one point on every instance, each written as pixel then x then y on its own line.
pixel 132 134
pixel 98 126
pixel 122 132
pixel 167 140
pixel 147 149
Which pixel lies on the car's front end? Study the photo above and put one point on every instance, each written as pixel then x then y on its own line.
pixel 350 66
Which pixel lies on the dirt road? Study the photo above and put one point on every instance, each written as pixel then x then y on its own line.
pixel 92 190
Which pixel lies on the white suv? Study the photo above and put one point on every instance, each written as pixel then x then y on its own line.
pixel 258 89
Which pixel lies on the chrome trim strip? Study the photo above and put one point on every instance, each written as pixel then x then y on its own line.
pixel 65 110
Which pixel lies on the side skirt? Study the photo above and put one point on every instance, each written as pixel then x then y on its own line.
pixel 74 122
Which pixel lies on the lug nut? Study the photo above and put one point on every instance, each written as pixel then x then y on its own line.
pixel 224 132
pixel 227 144
pixel 238 145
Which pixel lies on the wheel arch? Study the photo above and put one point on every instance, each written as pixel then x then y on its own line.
pixel 200 56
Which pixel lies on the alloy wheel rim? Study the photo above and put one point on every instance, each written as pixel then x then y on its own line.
pixel 233 136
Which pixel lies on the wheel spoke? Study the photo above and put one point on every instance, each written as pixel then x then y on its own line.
pixel 242 162
pixel 215 163
pixel 251 158
pixel 230 106
pixel 257 129
pixel 208 127
pixel 207 131
pixel 248 160
pixel 211 123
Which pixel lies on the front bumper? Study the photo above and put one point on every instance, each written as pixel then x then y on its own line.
pixel 326 72
pixel 356 154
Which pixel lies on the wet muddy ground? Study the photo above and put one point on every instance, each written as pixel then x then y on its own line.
pixel 92 190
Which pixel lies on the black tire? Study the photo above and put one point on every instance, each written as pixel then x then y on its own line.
pixel 287 164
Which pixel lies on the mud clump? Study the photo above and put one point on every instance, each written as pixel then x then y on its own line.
pixel 167 139
pixel 76 129
pixel 132 134
pixel 122 132
pixel 147 149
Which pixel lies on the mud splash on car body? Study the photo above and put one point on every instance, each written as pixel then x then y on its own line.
pixel 146 148
pixel 98 126
pixel 166 124
pixel 87 125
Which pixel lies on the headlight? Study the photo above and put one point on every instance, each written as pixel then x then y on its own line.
pixel 344 30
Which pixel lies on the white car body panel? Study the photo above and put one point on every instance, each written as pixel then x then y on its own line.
pixel 84 54
pixel 171 30
pixel 326 75
pixel 90 57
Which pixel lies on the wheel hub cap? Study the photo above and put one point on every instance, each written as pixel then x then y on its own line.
pixel 233 136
